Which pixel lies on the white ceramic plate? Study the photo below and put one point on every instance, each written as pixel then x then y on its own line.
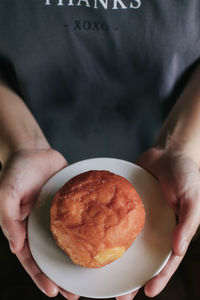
pixel 143 260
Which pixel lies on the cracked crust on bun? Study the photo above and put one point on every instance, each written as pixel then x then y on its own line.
pixel 95 217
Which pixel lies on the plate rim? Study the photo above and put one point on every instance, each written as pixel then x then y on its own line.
pixel 132 164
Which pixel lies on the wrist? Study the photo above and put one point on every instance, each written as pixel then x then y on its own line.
pixel 32 143
pixel 19 129
pixel 179 145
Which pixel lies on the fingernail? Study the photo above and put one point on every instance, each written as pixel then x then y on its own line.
pixel 42 290
pixel 54 291
pixel 128 297
pixel 12 246
pixel 183 247
pixel 75 297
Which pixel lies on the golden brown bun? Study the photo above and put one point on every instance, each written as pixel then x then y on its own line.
pixel 95 217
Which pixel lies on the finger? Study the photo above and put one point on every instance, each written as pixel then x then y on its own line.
pixel 189 220
pixel 158 283
pixel 42 282
pixel 128 296
pixel 10 222
pixel 182 235
pixel 68 295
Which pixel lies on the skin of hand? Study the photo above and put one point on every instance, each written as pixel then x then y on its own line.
pixel 22 177
pixel 179 178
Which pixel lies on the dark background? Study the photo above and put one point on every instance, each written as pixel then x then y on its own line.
pixel 16 284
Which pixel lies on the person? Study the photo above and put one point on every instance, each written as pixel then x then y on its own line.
pixel 97 82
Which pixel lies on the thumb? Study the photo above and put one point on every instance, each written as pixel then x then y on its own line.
pixel 188 222
pixel 10 222
pixel 56 162
pixel 149 160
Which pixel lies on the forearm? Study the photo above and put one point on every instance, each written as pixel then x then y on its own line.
pixel 182 127
pixel 18 128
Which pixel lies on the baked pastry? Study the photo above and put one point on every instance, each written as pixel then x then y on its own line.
pixel 95 217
